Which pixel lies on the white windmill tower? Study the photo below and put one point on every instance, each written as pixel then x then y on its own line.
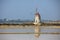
pixel 37 17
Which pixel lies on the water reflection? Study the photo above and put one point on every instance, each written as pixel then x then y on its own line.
pixel 29 36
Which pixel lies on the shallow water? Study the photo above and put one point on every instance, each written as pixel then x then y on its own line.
pixel 29 36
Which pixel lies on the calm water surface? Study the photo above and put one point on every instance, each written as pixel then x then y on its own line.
pixel 29 36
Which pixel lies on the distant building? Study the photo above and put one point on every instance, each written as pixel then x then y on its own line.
pixel 5 19
pixel 37 17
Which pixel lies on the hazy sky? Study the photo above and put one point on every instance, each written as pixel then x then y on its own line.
pixel 25 9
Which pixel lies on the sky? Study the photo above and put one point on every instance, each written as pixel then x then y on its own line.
pixel 25 9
